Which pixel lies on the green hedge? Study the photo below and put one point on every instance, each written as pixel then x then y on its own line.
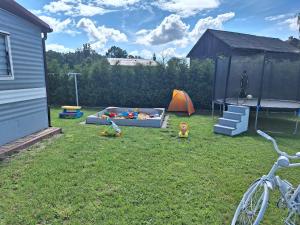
pixel 140 86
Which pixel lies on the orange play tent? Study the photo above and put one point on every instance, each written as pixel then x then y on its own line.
pixel 181 102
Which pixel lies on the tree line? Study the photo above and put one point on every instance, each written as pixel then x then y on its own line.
pixel 101 84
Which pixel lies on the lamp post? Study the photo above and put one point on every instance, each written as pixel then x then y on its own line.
pixel 76 89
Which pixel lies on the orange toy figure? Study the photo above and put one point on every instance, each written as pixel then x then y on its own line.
pixel 184 130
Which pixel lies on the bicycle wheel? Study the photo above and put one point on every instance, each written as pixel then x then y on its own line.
pixel 253 205
pixel 293 218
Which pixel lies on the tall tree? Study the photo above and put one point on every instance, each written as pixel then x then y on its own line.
pixel 87 50
pixel 116 52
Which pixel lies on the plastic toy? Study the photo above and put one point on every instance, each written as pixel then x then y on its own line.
pixel 184 130
pixel 113 130
pixel 132 115
pixel 70 112
pixel 123 114
pixel 111 114
pixel 104 117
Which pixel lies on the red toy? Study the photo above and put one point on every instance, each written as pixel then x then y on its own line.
pixel 131 115
pixel 111 114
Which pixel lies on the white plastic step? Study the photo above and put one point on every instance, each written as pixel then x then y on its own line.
pixel 234 121
pixel 228 122
pixel 223 129
pixel 232 115
pixel 238 109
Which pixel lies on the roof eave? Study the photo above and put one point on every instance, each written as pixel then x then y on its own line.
pixel 15 8
pixel 265 50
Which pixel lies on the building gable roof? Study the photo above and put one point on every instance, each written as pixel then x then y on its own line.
pixel 251 42
pixel 15 8
pixel 247 41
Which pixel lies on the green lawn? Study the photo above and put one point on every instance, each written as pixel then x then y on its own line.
pixel 145 177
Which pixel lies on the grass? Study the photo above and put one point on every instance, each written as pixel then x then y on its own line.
pixel 145 177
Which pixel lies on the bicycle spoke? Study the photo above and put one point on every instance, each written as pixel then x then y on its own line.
pixel 251 207
pixel 293 219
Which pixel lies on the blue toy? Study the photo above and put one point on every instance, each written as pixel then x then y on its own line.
pixel 70 112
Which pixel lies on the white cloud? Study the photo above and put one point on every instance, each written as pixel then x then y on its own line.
pixel 291 23
pixel 59 48
pixel 58 6
pixel 117 3
pixel 146 54
pixel 186 8
pixel 90 10
pixel 99 36
pixel 56 24
pixel 75 8
pixel 210 22
pixel 169 53
pixel 142 32
pixel 36 11
pixel 285 20
pixel 277 17
pixel 171 28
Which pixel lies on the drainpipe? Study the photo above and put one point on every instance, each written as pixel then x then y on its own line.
pixel 46 74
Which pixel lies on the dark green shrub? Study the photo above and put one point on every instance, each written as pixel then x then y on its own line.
pixel 101 84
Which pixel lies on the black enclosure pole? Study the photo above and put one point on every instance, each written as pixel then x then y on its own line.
pixel 227 78
pixel 260 90
pixel 214 88
pixel 46 75
pixel 298 86
pixel 297 113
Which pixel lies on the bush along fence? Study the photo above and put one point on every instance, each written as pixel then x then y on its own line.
pixel 101 84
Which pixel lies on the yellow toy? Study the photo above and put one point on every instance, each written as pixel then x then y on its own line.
pixel 113 130
pixel 184 130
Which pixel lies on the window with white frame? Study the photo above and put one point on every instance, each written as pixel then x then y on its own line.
pixel 6 68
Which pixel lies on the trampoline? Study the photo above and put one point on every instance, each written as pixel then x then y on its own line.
pixel 259 80
pixel 264 103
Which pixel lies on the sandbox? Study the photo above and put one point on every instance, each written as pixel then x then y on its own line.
pixel 141 117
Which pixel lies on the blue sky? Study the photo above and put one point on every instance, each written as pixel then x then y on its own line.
pixel 166 27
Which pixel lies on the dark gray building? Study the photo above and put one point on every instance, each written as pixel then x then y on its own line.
pixel 23 98
pixel 215 43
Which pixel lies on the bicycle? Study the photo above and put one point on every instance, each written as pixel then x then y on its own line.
pixel 255 201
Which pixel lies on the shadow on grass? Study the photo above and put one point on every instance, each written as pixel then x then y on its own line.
pixel 276 124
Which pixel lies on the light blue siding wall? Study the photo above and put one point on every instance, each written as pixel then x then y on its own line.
pixel 27 52
pixel 3 58
pixel 23 117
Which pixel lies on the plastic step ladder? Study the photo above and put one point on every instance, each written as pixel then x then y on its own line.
pixel 234 121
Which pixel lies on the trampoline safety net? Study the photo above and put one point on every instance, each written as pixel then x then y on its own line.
pixel 257 78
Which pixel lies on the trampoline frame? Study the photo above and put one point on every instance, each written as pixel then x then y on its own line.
pixel 260 101
pixel 295 106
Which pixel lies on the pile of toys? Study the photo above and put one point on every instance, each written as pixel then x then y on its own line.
pixel 135 115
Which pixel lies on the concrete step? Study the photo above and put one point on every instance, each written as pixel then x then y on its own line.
pixel 223 129
pixel 232 115
pixel 228 122
pixel 238 109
